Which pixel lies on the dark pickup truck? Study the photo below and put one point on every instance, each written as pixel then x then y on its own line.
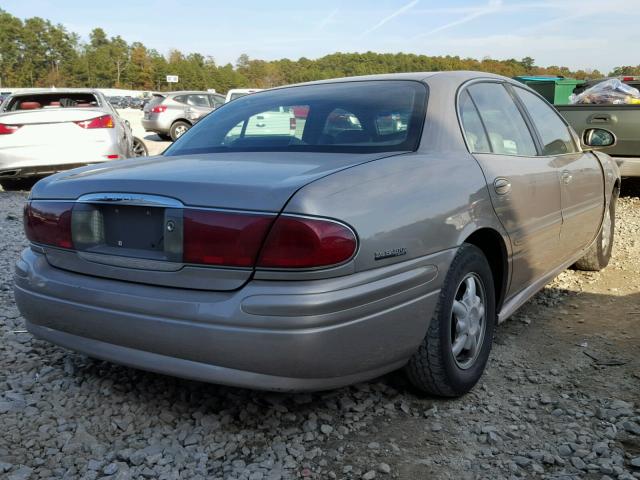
pixel 622 120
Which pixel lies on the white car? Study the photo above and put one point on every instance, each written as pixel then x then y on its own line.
pixel 276 122
pixel 47 131
pixel 240 92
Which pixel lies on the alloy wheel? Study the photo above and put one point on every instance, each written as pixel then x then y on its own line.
pixel 468 321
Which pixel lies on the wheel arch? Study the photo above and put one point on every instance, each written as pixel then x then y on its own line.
pixel 180 120
pixel 493 246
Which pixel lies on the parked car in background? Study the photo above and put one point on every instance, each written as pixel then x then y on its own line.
pixel 398 237
pixel 622 119
pixel 235 93
pixel 171 114
pixel 117 102
pixel 42 132
pixel 136 102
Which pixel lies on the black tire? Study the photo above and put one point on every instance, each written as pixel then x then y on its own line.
pixel 434 368
pixel 18 184
pixel 599 254
pixel 178 129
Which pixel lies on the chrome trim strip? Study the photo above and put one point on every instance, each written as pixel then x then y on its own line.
pixel 138 199
pixel 131 262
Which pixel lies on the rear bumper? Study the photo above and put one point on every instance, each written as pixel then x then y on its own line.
pixel 286 336
pixel 629 166
pixel 28 160
pixel 157 124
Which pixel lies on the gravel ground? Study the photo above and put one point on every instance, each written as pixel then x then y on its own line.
pixel 560 400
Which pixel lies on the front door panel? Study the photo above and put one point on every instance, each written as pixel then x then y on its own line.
pixel 582 184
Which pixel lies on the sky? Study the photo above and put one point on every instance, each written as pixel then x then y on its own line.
pixel 587 34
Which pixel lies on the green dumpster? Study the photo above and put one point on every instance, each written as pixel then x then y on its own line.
pixel 555 89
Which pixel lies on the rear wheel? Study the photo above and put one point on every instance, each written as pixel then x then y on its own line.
pixel 139 149
pixel 178 129
pixel 456 348
pixel 599 254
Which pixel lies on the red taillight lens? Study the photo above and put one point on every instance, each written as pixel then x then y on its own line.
pixel 49 223
pixel 105 121
pixel 8 129
pixel 159 109
pixel 220 238
pixel 299 242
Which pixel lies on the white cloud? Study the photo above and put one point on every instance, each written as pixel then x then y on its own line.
pixel 327 20
pixel 493 6
pixel 388 18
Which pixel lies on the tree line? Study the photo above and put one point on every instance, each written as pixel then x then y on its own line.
pixel 37 53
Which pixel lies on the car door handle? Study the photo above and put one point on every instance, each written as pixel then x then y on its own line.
pixel 502 186
pixel 599 118
pixel 566 177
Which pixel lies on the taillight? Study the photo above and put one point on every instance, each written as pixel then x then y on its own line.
pixel 159 109
pixel 49 223
pixel 221 238
pixel 292 123
pixel 105 121
pixel 8 129
pixel 301 242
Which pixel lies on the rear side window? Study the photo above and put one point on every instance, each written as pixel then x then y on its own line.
pixel 507 130
pixel 472 125
pixel 349 117
pixel 180 99
pixel 554 133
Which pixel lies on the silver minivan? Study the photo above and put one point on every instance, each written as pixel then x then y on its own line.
pixel 171 114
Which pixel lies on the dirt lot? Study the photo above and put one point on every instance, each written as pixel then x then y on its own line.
pixel 560 400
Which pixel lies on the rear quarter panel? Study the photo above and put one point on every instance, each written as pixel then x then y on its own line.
pixel 417 203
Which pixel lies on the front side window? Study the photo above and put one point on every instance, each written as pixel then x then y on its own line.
pixel 472 125
pixel 216 101
pixel 356 117
pixel 507 130
pixel 198 100
pixel 554 133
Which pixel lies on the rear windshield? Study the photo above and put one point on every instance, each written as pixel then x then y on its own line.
pixel 50 100
pixel 156 100
pixel 357 117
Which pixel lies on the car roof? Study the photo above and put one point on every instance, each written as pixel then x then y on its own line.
pixel 457 76
pixel 185 92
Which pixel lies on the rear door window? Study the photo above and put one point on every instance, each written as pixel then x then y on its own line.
pixel 554 133
pixel 507 130
pixel 474 131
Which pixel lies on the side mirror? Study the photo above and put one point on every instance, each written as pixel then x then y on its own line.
pixel 598 138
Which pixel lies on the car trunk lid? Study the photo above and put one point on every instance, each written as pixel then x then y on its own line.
pixel 130 206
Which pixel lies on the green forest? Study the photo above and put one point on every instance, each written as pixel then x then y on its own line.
pixel 37 53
